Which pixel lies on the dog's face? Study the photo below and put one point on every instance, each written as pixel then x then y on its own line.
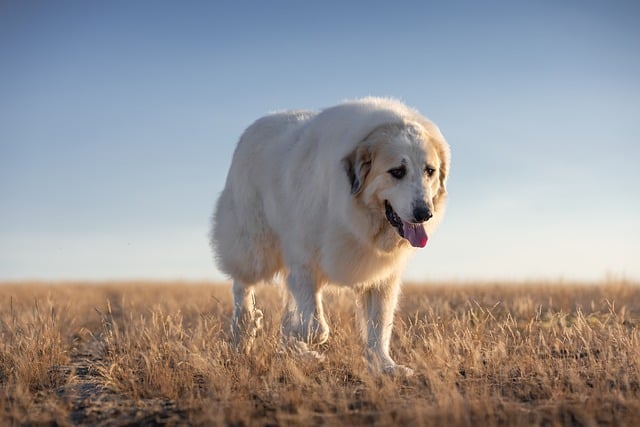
pixel 399 172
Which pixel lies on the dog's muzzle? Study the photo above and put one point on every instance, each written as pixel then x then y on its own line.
pixel 413 232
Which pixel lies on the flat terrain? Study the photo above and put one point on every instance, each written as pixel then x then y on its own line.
pixel 159 354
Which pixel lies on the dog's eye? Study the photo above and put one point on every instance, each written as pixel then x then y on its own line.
pixel 429 170
pixel 398 173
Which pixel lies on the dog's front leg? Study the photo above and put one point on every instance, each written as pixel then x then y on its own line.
pixel 378 304
pixel 304 319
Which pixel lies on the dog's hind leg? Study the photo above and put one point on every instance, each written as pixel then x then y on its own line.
pixel 247 319
pixel 303 323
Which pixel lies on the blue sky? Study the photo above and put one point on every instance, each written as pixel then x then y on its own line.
pixel 118 120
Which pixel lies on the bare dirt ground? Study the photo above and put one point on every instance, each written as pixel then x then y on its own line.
pixel 159 354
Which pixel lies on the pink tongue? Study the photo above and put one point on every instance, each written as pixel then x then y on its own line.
pixel 415 234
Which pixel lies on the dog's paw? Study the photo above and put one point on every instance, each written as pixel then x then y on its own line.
pixel 397 371
pixel 312 356
pixel 300 350
pixel 380 363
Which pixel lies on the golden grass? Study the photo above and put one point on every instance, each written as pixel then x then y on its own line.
pixel 143 353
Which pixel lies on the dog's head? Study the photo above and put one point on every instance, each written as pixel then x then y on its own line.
pixel 399 172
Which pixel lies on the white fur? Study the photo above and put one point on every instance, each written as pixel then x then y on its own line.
pixel 290 207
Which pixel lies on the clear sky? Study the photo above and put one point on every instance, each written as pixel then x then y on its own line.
pixel 118 120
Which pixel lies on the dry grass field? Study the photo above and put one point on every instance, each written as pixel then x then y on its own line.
pixel 159 354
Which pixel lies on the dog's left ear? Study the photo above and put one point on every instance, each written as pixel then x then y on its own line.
pixel 357 166
pixel 445 156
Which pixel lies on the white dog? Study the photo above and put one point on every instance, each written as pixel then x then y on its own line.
pixel 336 197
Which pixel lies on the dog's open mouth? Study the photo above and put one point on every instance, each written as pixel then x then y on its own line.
pixel 414 233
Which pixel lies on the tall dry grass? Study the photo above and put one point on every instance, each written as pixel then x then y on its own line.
pixel 149 354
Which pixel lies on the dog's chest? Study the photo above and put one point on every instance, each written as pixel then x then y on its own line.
pixel 347 262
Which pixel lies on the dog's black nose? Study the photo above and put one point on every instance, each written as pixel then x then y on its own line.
pixel 422 213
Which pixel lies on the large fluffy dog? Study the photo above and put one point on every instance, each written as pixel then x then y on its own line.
pixel 337 197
